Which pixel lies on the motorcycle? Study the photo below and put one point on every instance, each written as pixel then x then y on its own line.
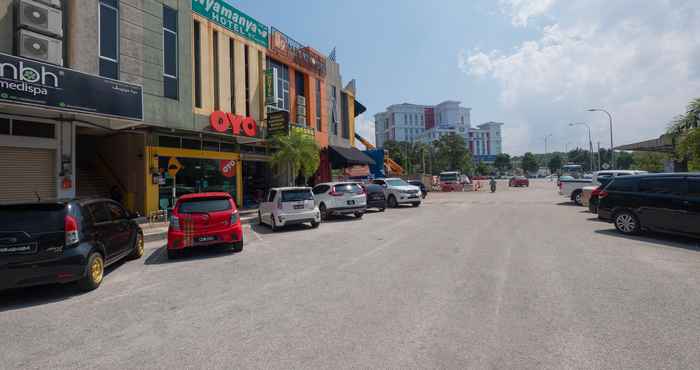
pixel 493 186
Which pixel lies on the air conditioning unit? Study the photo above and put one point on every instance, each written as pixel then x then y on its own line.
pixel 40 17
pixel 40 47
pixel 301 101
pixel 301 110
pixel 53 3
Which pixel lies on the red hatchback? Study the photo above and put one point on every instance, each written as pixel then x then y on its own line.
pixel 519 181
pixel 202 220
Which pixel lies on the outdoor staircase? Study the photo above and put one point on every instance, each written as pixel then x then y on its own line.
pixel 90 184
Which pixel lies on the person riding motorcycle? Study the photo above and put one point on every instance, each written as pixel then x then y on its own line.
pixel 492 182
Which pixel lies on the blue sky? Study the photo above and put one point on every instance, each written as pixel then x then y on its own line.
pixel 533 64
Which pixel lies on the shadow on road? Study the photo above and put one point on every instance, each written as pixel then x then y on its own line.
pixel 160 255
pixel 266 230
pixel 657 238
pixel 569 204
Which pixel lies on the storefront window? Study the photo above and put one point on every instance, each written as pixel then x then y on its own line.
pixel 281 87
pixel 195 176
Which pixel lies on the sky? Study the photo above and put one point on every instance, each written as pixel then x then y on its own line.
pixel 535 65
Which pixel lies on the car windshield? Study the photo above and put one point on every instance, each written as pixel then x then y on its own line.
pixel 397 182
pixel 347 188
pixel 297 195
pixel 205 205
pixel 448 177
pixel 32 218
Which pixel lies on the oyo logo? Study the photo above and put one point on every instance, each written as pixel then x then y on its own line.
pixel 228 167
pixel 28 74
pixel 222 121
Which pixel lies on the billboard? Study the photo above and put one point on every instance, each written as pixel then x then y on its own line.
pixel 220 12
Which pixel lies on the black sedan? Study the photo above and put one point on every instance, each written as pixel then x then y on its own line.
pixel 423 188
pixel 376 198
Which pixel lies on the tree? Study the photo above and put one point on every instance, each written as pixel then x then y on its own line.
pixel 686 130
pixel 452 154
pixel 650 161
pixel 555 163
pixel 689 148
pixel 529 163
pixel 623 160
pixel 502 162
pixel 297 153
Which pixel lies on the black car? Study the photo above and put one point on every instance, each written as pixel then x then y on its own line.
pixel 423 189
pixel 662 202
pixel 61 242
pixel 593 201
pixel 376 198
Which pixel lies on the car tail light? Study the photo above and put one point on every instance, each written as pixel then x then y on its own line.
pixel 602 194
pixel 175 223
pixel 596 192
pixel 334 193
pixel 71 227
pixel 234 218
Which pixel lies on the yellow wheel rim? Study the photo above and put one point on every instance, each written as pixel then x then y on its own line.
pixel 140 245
pixel 97 270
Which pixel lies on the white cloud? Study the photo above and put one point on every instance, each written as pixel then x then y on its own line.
pixel 521 11
pixel 365 128
pixel 640 62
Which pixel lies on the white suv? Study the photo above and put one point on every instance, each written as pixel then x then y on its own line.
pixel 289 206
pixel 399 191
pixel 340 198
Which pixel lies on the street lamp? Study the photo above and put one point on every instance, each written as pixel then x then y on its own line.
pixel 590 141
pixel 612 150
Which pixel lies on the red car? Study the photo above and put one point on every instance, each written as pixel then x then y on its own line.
pixel 518 181
pixel 202 220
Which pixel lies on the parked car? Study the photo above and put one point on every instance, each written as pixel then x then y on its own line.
pixel 203 220
pixel 375 196
pixel 289 206
pixel 667 202
pixel 340 198
pixel 593 198
pixel 518 181
pixel 62 242
pixel 421 186
pixel 572 188
pixel 399 192
pixel 597 181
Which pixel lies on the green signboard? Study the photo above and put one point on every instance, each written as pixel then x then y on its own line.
pixel 233 19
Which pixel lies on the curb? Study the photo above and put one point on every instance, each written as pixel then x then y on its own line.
pixel 161 234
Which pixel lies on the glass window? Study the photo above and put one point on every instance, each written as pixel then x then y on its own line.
pixel 33 129
pixel 334 109
pixel 296 195
pixel 318 105
pixel 321 189
pixel 232 72
pixel 300 81
pixel 116 212
pixel 673 186
pixel 205 205
pixel 109 39
pixel 347 188
pixel 621 184
pixel 99 212
pixel 215 61
pixel 191 144
pixel 169 141
pixel 196 176
pixel 32 218
pixel 170 83
pixel 197 65
pixel 246 65
pixel 694 188
pixel 4 126
pixel 271 195
pixel 212 146
pixel 396 182
pixel 280 91
pixel 345 115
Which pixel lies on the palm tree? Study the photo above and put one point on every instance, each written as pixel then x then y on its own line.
pixel 296 152
pixel 687 121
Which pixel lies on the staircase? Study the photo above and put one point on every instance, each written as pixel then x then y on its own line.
pixel 90 184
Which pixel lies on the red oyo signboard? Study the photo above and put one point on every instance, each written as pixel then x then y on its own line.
pixel 228 167
pixel 239 125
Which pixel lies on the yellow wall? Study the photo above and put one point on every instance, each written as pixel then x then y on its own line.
pixel 351 113
pixel 154 152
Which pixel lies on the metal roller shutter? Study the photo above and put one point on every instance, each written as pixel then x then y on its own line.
pixel 24 171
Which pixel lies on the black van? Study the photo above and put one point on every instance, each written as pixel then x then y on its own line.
pixel 61 242
pixel 666 202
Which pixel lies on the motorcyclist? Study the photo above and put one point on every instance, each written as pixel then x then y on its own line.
pixel 492 182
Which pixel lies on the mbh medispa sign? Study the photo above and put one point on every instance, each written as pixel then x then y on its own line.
pixel 28 82
pixel 233 19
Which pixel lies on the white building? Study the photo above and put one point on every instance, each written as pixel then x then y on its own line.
pixel 427 123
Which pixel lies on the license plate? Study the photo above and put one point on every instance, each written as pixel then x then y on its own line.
pixel 298 206
pixel 351 202
pixel 18 248
pixel 203 239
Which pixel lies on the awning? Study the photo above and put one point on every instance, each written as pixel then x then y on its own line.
pixel 342 157
pixel 663 144
pixel 359 108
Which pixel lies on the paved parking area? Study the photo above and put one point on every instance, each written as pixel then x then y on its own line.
pixel 516 279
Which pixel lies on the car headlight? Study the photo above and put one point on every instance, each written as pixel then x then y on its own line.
pixel 405 191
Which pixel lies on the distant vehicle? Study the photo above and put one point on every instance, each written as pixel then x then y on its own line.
pixel 518 181
pixel 203 220
pixel 289 206
pixel 666 202
pixel 451 181
pixel 399 192
pixel 598 179
pixel 421 186
pixel 573 170
pixel 375 196
pixel 572 188
pixel 62 242
pixel 340 198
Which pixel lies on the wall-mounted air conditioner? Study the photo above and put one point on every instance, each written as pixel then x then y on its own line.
pixel 40 17
pixel 53 3
pixel 40 47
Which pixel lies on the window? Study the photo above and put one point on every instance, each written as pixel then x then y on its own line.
pixel 116 212
pixel 321 189
pixel 621 184
pixel 197 65
pixel 4 126
pixel 671 186
pixel 271 195
pixel 280 75
pixel 318 105
pixel 108 22
pixel 301 88
pixel 246 63
pixel 205 205
pixel 334 110
pixel 296 195
pixel 33 129
pixel 232 72
pixel 170 85
pixel 345 115
pixel 694 188
pixel 191 144
pixel 215 51
pixel 169 141
pixel 99 212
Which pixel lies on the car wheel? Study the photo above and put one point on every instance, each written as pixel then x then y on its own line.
pixel 627 223
pixel 577 198
pixel 94 274
pixel 382 209
pixel 237 247
pixel 173 254
pixel 139 247
pixel 315 224
pixel 359 214
pixel 416 204
pixel 324 211
pixel 392 202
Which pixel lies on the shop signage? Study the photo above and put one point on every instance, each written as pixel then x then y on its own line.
pixel 269 87
pixel 27 82
pixel 221 12
pixel 239 125
pixel 293 51
pixel 174 166
pixel 278 123
pixel 228 167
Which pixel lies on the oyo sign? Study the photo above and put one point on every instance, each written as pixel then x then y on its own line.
pixel 228 167
pixel 239 125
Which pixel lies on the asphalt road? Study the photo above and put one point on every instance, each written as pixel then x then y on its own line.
pixel 516 279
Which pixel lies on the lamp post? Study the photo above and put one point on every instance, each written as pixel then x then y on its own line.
pixel 590 141
pixel 612 150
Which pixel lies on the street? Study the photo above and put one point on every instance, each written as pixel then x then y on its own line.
pixel 518 279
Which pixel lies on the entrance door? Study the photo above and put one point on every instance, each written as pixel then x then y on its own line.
pixel 27 174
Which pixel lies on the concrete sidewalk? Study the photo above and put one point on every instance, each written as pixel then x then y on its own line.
pixel 158 231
